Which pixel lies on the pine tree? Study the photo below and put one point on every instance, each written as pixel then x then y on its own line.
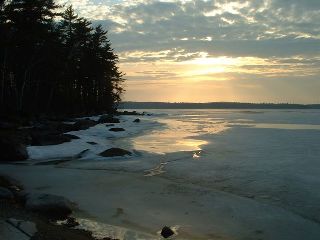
pixel 29 27
pixel 65 67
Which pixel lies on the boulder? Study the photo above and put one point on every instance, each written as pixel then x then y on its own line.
pixel 115 152
pixel 65 127
pixel 51 127
pixel 71 222
pixel 12 150
pixel 70 136
pixel 83 124
pixel 166 232
pixel 10 184
pixel 109 125
pixel 52 133
pixel 132 113
pixel 57 126
pixel 108 119
pixel 46 138
pixel 5 193
pixel 137 120
pixel 51 206
pixel 116 129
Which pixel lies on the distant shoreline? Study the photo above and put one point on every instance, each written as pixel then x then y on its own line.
pixel 214 105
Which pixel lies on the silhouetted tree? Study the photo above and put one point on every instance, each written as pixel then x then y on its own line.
pixel 50 66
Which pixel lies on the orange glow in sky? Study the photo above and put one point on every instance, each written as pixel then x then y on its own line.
pixel 213 50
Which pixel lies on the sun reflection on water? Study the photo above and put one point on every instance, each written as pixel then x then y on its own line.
pixel 179 135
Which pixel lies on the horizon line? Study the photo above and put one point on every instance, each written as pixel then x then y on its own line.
pixel 225 102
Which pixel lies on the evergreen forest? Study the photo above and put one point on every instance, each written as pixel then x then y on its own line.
pixel 54 62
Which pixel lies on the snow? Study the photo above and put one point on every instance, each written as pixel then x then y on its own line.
pixel 99 134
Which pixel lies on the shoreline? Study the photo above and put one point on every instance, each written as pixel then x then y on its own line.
pixel 220 191
pixel 18 222
pixel 24 135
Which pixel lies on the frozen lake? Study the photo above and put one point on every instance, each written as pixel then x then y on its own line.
pixel 212 174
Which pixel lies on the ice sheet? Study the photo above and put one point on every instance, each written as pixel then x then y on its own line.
pixel 245 182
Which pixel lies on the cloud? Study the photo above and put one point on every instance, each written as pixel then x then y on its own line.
pixel 156 38
pixel 259 28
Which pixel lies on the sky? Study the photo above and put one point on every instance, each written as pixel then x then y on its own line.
pixel 214 50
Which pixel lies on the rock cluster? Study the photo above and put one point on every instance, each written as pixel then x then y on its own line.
pixel 12 150
pixel 115 152
pixel 108 119
pixel 52 206
pixel 116 129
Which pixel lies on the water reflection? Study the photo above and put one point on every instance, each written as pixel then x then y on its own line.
pixel 178 135
pixel 166 141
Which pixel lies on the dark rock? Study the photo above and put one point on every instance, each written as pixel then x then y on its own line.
pixel 81 154
pixel 24 138
pixel 15 189
pixel 83 124
pixel 52 133
pixel 42 139
pixel 92 143
pixel 52 127
pixel 114 152
pixel 137 120
pixel 109 125
pixel 21 196
pixel 52 206
pixel 166 232
pixel 10 184
pixel 71 222
pixel 70 136
pixel 5 193
pixel 132 113
pixel 12 150
pixel 46 138
pixel 117 129
pixel 108 119
pixel 65 127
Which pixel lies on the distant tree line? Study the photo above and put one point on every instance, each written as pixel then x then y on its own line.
pixel 214 105
pixel 54 62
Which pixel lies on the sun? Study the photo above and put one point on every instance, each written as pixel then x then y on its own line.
pixel 218 61
pixel 197 68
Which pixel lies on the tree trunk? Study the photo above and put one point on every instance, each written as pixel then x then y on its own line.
pixel 23 86
pixel 50 97
pixel 3 76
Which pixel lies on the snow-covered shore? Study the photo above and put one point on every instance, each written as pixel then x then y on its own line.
pixel 221 175
pixel 96 139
